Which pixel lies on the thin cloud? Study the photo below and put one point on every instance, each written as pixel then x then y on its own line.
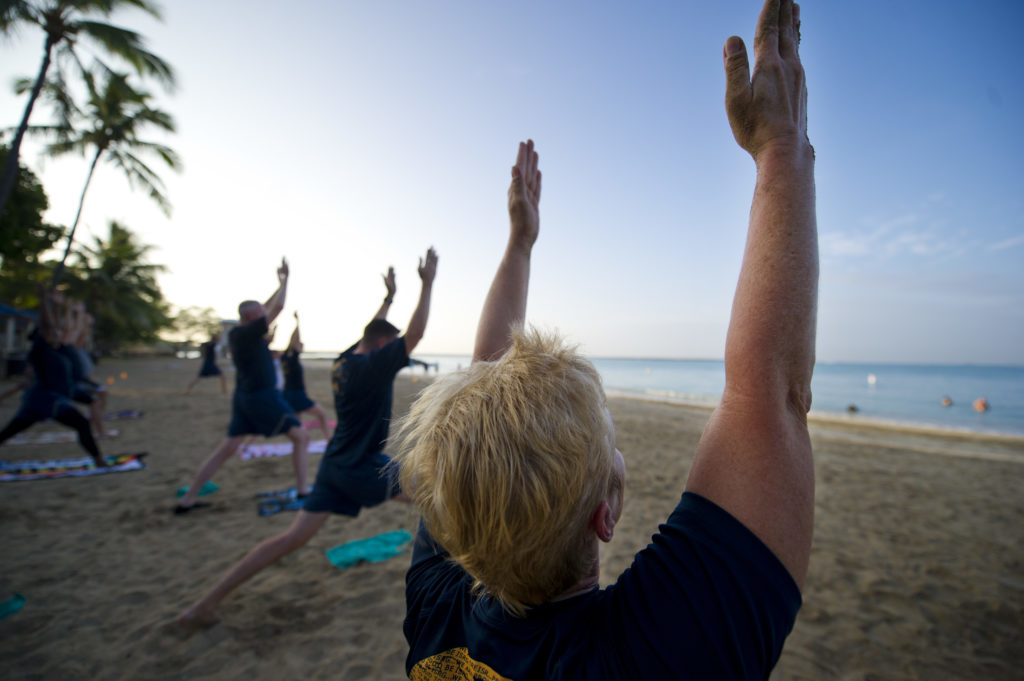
pixel 1007 243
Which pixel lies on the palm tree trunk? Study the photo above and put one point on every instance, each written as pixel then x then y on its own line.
pixel 10 176
pixel 59 272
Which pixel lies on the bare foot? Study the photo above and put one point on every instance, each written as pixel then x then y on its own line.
pixel 196 618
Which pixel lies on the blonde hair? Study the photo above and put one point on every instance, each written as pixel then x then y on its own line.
pixel 507 461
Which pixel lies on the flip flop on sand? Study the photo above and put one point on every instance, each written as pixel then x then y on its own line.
pixel 273 505
pixel 199 505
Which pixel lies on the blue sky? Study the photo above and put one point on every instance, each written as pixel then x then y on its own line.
pixel 352 135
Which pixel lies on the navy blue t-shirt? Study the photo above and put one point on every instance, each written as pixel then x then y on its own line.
pixel 292 370
pixel 251 354
pixel 51 367
pixel 363 388
pixel 70 352
pixel 705 600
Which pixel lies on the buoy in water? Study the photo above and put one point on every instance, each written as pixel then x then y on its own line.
pixel 852 408
pixel 947 402
pixel 872 379
pixel 980 405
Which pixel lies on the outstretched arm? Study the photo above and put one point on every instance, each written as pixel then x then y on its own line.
pixel 296 339
pixel 418 322
pixel 505 305
pixel 755 459
pixel 389 284
pixel 275 303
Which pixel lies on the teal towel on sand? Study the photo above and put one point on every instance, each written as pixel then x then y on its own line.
pixel 12 605
pixel 207 488
pixel 371 549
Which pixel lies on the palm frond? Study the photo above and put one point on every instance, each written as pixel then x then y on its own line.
pixel 129 46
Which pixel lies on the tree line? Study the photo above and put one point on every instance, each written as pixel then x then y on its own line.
pixel 100 111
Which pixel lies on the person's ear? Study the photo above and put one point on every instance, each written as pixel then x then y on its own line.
pixel 603 522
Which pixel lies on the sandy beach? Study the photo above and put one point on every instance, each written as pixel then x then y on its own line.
pixel 917 570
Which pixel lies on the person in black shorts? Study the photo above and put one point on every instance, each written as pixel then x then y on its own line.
pixel 294 391
pixel 354 472
pixel 49 395
pixel 256 407
pixel 209 366
pixel 514 466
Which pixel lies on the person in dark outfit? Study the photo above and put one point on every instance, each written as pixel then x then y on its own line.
pixel 49 395
pixel 354 472
pixel 514 466
pixel 294 391
pixel 256 407
pixel 209 366
pixel 77 334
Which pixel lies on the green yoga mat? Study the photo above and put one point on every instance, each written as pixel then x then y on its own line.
pixel 372 549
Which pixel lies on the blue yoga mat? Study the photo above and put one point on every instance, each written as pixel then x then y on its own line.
pixel 372 549
pixel 12 605
pixel 207 488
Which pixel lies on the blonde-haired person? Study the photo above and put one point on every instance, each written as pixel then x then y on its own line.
pixel 514 467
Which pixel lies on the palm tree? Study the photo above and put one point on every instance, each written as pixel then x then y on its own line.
pixel 115 114
pixel 120 289
pixel 65 22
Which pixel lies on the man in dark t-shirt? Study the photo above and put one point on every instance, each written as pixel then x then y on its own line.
pixel 354 472
pixel 514 466
pixel 256 406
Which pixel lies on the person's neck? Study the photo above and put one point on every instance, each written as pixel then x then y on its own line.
pixel 588 582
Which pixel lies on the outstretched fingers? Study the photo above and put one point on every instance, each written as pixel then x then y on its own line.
pixel 766 38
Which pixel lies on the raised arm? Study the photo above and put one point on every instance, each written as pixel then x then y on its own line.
pixel 418 322
pixel 296 340
pixel 389 284
pixel 755 459
pixel 275 303
pixel 505 305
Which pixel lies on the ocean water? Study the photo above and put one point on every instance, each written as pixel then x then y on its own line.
pixel 908 394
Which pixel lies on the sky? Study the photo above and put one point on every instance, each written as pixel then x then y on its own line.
pixel 350 136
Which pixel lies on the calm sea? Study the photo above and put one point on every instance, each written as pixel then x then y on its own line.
pixel 894 393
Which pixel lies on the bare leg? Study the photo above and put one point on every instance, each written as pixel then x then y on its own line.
pixel 96 409
pixel 203 612
pixel 321 416
pixel 223 384
pixel 223 452
pixel 193 384
pixel 300 443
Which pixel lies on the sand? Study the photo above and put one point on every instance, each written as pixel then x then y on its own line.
pixel 917 570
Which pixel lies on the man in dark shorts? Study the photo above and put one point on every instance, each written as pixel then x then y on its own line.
pixel 354 471
pixel 256 407
pixel 49 395
pixel 294 390
pixel 515 469
pixel 209 366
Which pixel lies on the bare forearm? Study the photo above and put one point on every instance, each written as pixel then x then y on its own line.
pixel 385 306
pixel 505 305
pixel 418 322
pixel 770 345
pixel 275 303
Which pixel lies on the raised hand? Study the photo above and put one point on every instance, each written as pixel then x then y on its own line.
pixel 389 282
pixel 428 266
pixel 282 271
pixel 524 197
pixel 769 109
